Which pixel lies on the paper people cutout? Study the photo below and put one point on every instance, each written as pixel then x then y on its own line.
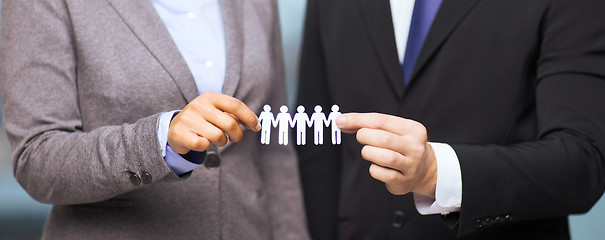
pixel 300 120
pixel 335 129
pixel 266 120
pixel 318 118
pixel 283 122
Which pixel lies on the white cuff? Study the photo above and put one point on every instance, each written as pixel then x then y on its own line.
pixel 448 192
pixel 163 125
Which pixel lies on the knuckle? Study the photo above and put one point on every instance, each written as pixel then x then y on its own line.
pixel 176 130
pixel 185 118
pixel 237 104
pixel 232 126
pixel 204 109
pixel 252 119
pixel 215 134
pixel 233 104
pixel 204 96
pixel 381 120
pixel 422 129
pixel 199 143
pixel 422 132
pixel 391 177
pixel 417 150
pixel 384 139
pixel 352 119
pixel 418 128
pixel 208 94
pixel 236 136
pixel 390 158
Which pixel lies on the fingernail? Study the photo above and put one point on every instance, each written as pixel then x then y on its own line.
pixel 257 128
pixel 340 120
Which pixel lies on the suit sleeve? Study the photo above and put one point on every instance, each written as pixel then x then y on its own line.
pixel 54 160
pixel 319 165
pixel 563 171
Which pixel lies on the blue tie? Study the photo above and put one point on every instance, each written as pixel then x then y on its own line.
pixel 422 18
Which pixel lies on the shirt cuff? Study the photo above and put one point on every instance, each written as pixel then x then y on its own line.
pixel 179 164
pixel 163 125
pixel 448 192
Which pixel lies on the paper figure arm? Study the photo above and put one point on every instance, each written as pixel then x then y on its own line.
pixel 292 121
pixel 308 121
pixel 275 121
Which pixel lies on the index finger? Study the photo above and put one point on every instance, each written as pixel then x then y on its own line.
pixel 237 109
pixel 352 122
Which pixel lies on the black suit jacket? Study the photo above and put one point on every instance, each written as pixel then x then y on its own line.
pixel 516 87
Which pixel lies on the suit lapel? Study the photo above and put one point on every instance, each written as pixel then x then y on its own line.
pixel 142 19
pixel 379 24
pixel 232 21
pixel 450 14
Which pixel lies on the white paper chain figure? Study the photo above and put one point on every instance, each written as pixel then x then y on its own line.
pixel 266 119
pixel 301 119
pixel 318 118
pixel 283 121
pixel 335 129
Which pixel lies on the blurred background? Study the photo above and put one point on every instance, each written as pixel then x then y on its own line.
pixel 22 218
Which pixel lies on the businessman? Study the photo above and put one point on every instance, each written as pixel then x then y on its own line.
pixel 129 116
pixel 473 119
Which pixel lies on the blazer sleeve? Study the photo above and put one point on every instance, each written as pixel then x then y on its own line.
pixel 563 171
pixel 53 158
pixel 319 165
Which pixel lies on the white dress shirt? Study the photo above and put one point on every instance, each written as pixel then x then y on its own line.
pixel 196 27
pixel 448 193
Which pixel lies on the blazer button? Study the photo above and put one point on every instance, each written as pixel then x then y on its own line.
pixel 508 218
pixel 146 177
pixel 479 224
pixel 213 160
pixel 135 179
pixel 398 219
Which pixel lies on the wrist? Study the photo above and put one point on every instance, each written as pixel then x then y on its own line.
pixel 429 183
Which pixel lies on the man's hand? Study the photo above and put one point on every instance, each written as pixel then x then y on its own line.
pixel 398 150
pixel 211 117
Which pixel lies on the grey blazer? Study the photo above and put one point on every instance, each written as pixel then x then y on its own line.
pixel 83 83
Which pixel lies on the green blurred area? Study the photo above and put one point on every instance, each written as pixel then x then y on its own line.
pixel 22 218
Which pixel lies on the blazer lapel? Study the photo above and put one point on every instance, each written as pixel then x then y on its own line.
pixel 379 23
pixel 450 14
pixel 232 21
pixel 142 19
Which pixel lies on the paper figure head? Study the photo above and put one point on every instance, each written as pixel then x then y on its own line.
pixel 267 108
pixel 335 108
pixel 283 109
pixel 317 109
pixel 300 109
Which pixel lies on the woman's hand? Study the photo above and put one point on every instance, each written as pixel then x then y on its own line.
pixel 211 117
